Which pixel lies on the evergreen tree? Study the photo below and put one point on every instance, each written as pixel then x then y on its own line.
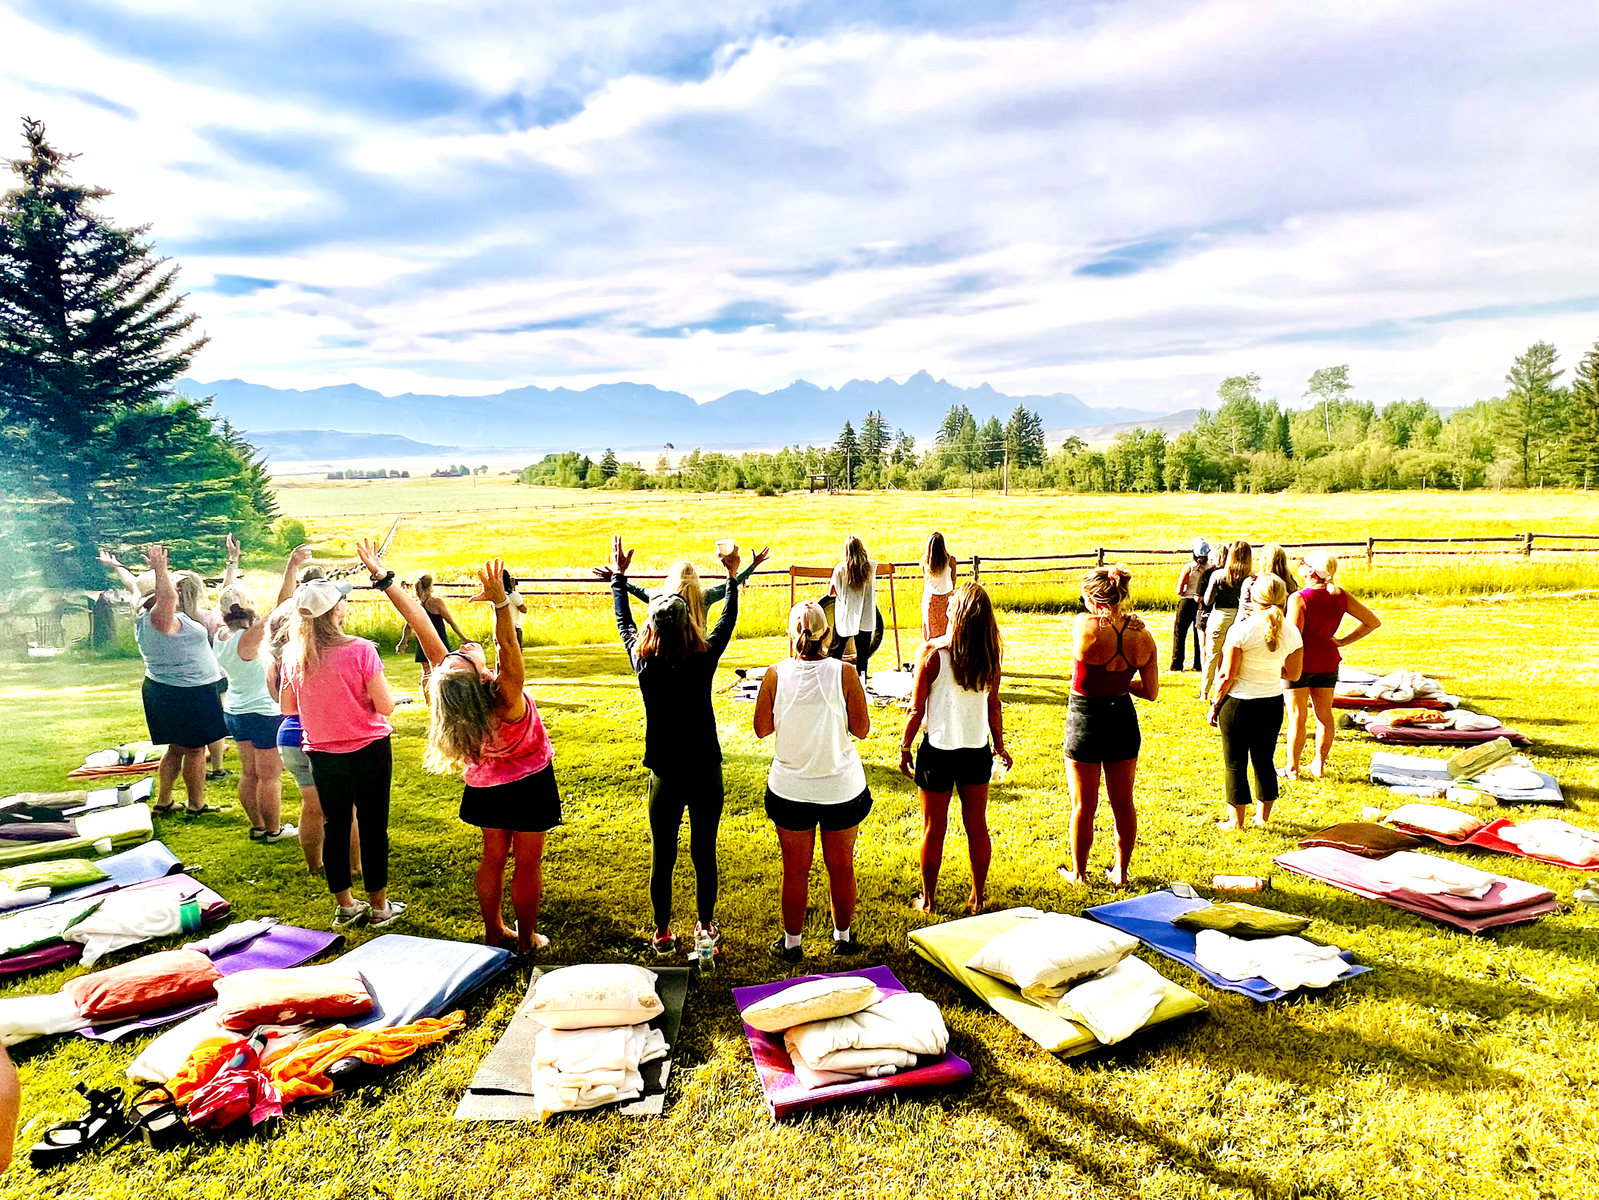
pixel 904 449
pixel 991 443
pixel 949 429
pixel 848 450
pixel 1024 437
pixel 1580 451
pixel 965 453
pixel 608 464
pixel 1528 419
pixel 874 444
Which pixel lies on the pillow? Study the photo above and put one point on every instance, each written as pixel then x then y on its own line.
pixel 1399 717
pixel 595 995
pixel 1365 838
pixel 813 1000
pixel 1434 818
pixel 1479 758
pixel 290 996
pixel 145 985
pixel 1242 920
pixel 1052 950
pixel 62 873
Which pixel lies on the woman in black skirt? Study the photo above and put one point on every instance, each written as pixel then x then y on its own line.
pixel 1115 660
pixel 182 703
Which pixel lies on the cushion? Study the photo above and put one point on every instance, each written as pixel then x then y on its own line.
pixel 1434 818
pixel 1366 838
pixel 1479 758
pixel 166 980
pixel 62 873
pixel 813 1000
pixel 595 995
pixel 1398 717
pixel 1052 950
pixel 290 996
pixel 1242 920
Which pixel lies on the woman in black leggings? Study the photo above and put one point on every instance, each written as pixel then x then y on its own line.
pixel 675 665
pixel 1260 656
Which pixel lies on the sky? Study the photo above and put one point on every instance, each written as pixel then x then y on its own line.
pixel 1126 201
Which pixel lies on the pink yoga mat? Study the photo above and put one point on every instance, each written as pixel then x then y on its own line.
pixel 1371 705
pixel 1487 838
pixel 1406 735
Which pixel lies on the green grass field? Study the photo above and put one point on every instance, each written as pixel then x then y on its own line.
pixel 1461 1066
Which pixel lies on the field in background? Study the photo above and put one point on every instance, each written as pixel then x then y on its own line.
pixel 449 526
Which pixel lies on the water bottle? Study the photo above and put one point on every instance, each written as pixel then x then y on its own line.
pixel 189 913
pixel 704 950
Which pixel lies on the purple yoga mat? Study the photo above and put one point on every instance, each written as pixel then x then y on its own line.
pixel 786 1096
pixel 278 946
pixel 52 955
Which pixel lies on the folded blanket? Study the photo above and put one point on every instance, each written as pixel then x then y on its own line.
pixel 1414 775
pixel 1557 841
pixel 1400 687
pixel 578 1069
pixel 1431 876
pixel 24 1017
pixel 908 1021
pixel 1284 962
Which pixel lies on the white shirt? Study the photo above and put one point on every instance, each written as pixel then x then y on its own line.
pixel 957 718
pixel 815 759
pixel 854 607
pixel 941 583
pixel 1261 672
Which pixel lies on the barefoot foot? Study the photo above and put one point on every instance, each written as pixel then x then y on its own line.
pixel 975 903
pixel 1069 875
pixel 537 942
pixel 922 904
pixel 1116 876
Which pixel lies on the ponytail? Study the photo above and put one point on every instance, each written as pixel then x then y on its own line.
pixel 1271 594
pixel 1274 627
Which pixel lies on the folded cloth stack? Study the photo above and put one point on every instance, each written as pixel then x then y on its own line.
pixel 1554 841
pixel 1481 776
pixel 1287 963
pixel 594 1036
pixel 883 1039
pixel 1400 687
pixel 1429 718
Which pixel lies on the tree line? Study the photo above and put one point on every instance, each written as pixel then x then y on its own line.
pixel 94 450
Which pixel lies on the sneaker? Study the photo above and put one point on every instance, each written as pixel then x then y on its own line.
pixel 664 946
pixel 786 953
pixel 847 945
pixel 382 918
pixel 285 833
pixel 257 834
pixel 218 774
pixel 356 914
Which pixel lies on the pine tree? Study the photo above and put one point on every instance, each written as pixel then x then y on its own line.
pixel 608 464
pixel 949 429
pixel 1024 437
pixel 991 442
pixel 904 449
pixel 1580 451
pixel 848 450
pixel 874 444
pixel 1528 419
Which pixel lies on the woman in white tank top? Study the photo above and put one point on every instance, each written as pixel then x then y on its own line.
pixel 956 698
pixel 814 706
pixel 938 584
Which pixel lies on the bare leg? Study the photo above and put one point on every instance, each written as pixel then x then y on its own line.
pixel 490 883
pixel 216 752
pixel 194 776
pixel 269 788
pixel 799 847
pixel 248 787
pixel 311 831
pixel 1119 778
pixel 935 824
pixel 1083 781
pixel 527 889
pixel 167 775
pixel 838 852
pixel 979 846
pixel 1298 715
pixel 1322 699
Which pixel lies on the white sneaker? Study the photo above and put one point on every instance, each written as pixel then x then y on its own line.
pixel 284 834
pixel 381 917
pixel 354 915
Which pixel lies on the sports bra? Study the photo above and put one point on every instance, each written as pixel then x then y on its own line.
pixel 1099 679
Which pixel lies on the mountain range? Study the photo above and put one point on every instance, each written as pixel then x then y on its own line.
pixel 636 416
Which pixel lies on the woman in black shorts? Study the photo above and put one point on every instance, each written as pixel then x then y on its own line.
pixel 957 696
pixel 1110 649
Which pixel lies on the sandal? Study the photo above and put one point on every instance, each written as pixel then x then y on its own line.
pixel 68 1141
pixel 162 810
pixel 204 808
pixel 155 1117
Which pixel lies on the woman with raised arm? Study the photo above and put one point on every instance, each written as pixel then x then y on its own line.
pixel 1317 610
pixel 252 715
pixel 815 706
pixel 683 579
pixel 335 684
pixel 938 585
pixel 181 707
pixel 957 697
pixel 438 615
pixel 485 723
pixel 854 589
pixel 676 663
pixel 1115 659
pixel 1262 651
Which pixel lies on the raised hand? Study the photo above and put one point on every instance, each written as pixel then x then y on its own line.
pixel 109 559
pixel 233 548
pixel 491 583
pixel 761 555
pixel 367 551
pixel 299 557
pixel 156 556
pixel 603 573
pixel 730 560
pixel 621 559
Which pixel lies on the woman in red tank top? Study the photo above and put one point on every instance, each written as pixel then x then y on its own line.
pixel 1114 660
pixel 1318 610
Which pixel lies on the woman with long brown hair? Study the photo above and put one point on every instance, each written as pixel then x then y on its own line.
pixel 854 589
pixel 1273 561
pixel 439 615
pixel 957 697
pixel 676 663
pixel 938 585
pixel 1114 659
pixel 1222 597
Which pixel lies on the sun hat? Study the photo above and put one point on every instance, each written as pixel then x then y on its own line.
pixel 1322 563
pixel 235 594
pixel 667 612
pixel 319 597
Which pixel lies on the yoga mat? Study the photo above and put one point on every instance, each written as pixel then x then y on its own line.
pixel 786 1096
pixel 415 977
pixel 1149 919
pixel 1487 838
pixel 1373 705
pixel 502 1087
pixel 143 768
pixel 140 865
pixel 1406 735
pixel 276 946
pixel 1430 776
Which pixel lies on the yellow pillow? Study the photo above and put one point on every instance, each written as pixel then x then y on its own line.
pixel 813 1000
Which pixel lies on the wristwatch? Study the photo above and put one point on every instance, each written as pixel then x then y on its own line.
pixel 383 582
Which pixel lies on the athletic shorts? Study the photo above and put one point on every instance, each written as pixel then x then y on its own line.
pixel 942 770
pixel 802 816
pixel 531 804
pixel 1321 679
pixel 1101 729
pixel 259 729
pixel 190 717
pixel 298 764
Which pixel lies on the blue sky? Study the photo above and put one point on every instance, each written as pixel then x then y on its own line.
pixel 1125 201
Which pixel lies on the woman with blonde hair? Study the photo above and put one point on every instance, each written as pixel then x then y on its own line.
pixel 854 591
pixel 252 715
pixel 1114 660
pixel 485 724
pixel 1262 651
pixel 1274 561
pixel 957 697
pixel 335 684
pixel 938 584
pixel 814 705
pixel 683 579
pixel 1317 610
pixel 1222 597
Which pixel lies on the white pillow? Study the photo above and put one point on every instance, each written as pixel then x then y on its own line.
pixel 1052 950
pixel 595 995
pixel 1435 818
pixel 813 1000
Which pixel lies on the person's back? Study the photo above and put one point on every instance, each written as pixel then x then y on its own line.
pixel 181 659
pixel 514 750
pixel 1108 666
pixel 247 683
pixel 335 706
pixel 814 757
pixel 1260 673
pixel 1324 609
pixel 957 717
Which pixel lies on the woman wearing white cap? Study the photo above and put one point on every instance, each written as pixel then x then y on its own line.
pixel 335 684
pixel 675 663
pixel 1190 586
pixel 1317 610
pixel 252 715
pixel 814 706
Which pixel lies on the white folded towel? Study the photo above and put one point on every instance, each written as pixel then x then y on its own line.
pixel 906 1021
pixel 1286 963
pixel 1432 876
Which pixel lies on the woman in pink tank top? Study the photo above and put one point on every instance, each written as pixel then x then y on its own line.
pixel 1317 610
pixel 485 723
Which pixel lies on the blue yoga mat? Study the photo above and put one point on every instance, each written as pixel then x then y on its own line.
pixel 415 977
pixel 1149 919
pixel 139 865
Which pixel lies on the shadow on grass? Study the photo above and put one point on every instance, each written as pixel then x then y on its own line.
pixel 568 662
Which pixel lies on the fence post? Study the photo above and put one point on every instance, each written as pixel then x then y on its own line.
pixel 1371 548
pixel 1526 546
pixel 1100 550
pixel 977 567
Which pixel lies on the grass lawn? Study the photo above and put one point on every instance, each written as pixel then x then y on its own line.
pixel 1461 1066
